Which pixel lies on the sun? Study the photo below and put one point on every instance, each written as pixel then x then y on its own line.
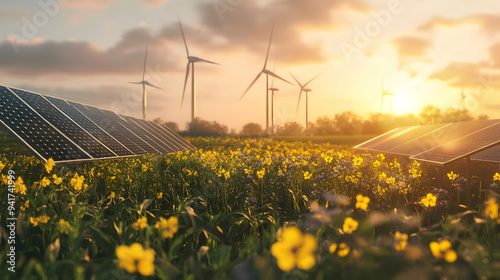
pixel 404 102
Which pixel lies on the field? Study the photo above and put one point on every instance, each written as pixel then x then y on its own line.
pixel 245 209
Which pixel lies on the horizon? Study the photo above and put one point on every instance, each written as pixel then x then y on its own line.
pixel 89 51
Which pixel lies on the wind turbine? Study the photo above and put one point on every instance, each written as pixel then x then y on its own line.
pixel 267 72
pixel 306 90
pixel 462 100
pixel 144 84
pixel 385 93
pixel 191 61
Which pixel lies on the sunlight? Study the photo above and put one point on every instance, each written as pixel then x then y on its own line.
pixel 404 102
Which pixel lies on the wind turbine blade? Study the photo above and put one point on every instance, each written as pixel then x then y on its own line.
pixel 296 80
pixel 269 47
pixel 203 60
pixel 298 102
pixel 311 79
pixel 382 80
pixel 185 82
pixel 251 85
pixel 145 60
pixel 184 38
pixel 135 83
pixel 276 76
pixel 147 83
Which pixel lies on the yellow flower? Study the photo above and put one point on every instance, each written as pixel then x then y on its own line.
pixel 307 175
pixel 400 241
pixel 42 219
pixel 2 166
pixel 491 209
pixel 362 202
pixel 45 182
pixel 112 195
pixel 496 177
pixel 429 200
pixel 343 250
pixel 49 165
pixel 376 164
pixel 382 176
pixel 77 182
pixel 261 173
pixel 442 250
pixel 332 248
pixel 144 168
pixel 19 186
pixel 135 258
pixel 357 161
pixel 452 176
pixel 294 249
pixel 227 174
pixel 350 225
pixel 340 155
pixel 5 179
pixel 248 171
pixel 391 180
pixel 64 226
pixel 57 180
pixel 26 205
pixel 141 223
pixel 168 227
pixel 159 195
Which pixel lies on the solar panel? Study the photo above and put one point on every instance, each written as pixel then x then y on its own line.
pixel 35 132
pixel 489 155
pixel 72 132
pixel 476 141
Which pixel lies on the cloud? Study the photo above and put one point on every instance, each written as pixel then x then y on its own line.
pixel 247 26
pixel 470 75
pixel 83 58
pixel 154 3
pixel 488 23
pixel 412 46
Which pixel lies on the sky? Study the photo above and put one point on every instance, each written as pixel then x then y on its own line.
pixel 88 51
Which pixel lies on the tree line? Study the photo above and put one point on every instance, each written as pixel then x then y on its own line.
pixel 345 123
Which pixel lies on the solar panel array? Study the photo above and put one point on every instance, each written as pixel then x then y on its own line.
pixel 441 143
pixel 72 132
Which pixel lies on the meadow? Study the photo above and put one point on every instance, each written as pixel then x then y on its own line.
pixel 245 209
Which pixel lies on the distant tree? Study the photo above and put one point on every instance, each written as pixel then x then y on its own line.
pixel 325 126
pixel 289 129
pixel 430 114
pixel 252 129
pixel 172 125
pixel 457 115
pixel 348 123
pixel 206 128
pixel 483 117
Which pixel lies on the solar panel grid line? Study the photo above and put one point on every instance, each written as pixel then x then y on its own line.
pixel 128 132
pixel 106 125
pixel 45 142
pixel 143 134
pixel 367 143
pixel 66 125
pixel 489 155
pixel 152 130
pixel 88 124
pixel 158 141
pixel 54 127
pixel 474 142
pixel 188 145
pixel 380 146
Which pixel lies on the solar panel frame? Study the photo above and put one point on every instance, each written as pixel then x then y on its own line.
pixel 158 133
pixel 152 135
pixel 378 139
